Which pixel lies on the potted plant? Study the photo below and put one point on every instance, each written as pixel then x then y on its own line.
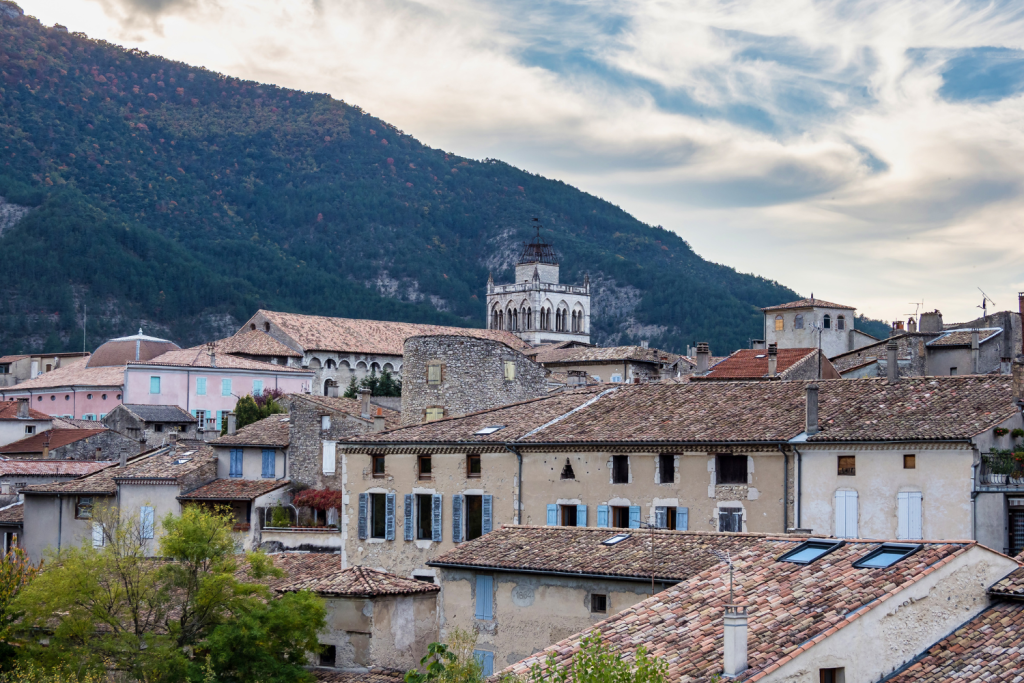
pixel 1017 433
pixel 1000 431
pixel 1017 476
pixel 1001 464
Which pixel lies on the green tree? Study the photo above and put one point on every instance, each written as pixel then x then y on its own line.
pixel 388 385
pixel 353 389
pixel 15 572
pixel 596 663
pixel 450 662
pixel 248 410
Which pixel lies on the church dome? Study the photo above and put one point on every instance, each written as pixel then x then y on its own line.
pixel 119 351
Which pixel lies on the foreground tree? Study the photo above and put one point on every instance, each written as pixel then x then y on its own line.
pixel 15 572
pixel 596 663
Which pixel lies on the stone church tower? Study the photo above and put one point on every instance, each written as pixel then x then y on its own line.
pixel 536 307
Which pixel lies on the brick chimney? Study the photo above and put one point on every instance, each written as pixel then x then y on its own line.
pixel 892 367
pixel 99 454
pixel 232 422
pixel 773 359
pixel 811 423
pixel 378 420
pixel 22 408
pixel 364 403
pixel 703 358
pixel 735 640
pixel 975 351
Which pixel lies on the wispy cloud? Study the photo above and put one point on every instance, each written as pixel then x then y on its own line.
pixel 870 151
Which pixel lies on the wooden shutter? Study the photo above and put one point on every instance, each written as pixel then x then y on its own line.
pixel 581 515
pixel 146 521
pixel 329 457
pixel 552 515
pixel 916 530
pixel 236 462
pixel 488 510
pixel 486 661
pixel 389 517
pixel 363 500
pixel 200 387
pixel 682 519
pixel 846 514
pixel 436 514
pixel 484 597
pixel 225 387
pixel 602 515
pixel 908 504
pixel 634 516
pixel 661 517
pixel 268 463
pixel 97 535
pixel 257 387
pixel 408 517
pixel 457 518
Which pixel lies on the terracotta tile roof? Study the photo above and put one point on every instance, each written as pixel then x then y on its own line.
pixel 51 438
pixel 807 303
pixel 9 411
pixel 789 606
pixel 13 514
pixel 753 363
pixel 917 408
pixel 1012 585
pixel 272 430
pixel 51 468
pixel 605 355
pixel 963 337
pixel 352 406
pixel 373 675
pixel 158 413
pixel 74 374
pixel 252 343
pixel 199 358
pixel 75 423
pixel 579 550
pixel 235 489
pixel 986 648
pixel 11 359
pixel 322 574
pixel 533 351
pixel 319 333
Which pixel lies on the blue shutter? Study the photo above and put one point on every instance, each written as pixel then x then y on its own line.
pixel 408 517
pixel 661 517
pixel 484 597
pixel 486 661
pixel 552 515
pixel 362 516
pixel 389 517
pixel 200 387
pixel 488 507
pixel 268 463
pixel 225 387
pixel 634 516
pixel 436 521
pixel 602 515
pixel 457 518
pixel 236 462
pixel 257 387
pixel 581 515
pixel 682 519
pixel 154 385
pixel 146 521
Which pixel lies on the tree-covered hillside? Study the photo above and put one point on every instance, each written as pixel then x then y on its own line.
pixel 169 196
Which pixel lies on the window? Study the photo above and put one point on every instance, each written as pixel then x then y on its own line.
pixel 89 396
pixel 257 387
pixel 779 324
pixel 810 550
pixel 83 507
pixel 886 555
pixel 104 397
pixel 952 371
pixel 235 467
pixel 840 323
pixel 666 468
pixel 620 469
pixel 798 322
pixel 424 517
pixel 908 515
pixel 486 661
pixel 269 463
pixel 510 370
pixel 330 452
pixel 489 430
pixel 474 512
pixel 847 465
pixel 484 597
pixel 156 428
pixel 425 467
pixel 97 535
pixel 434 373
pixel 909 462
pixel 837 675
pixel 826 322
pixel 666 518
pixel 731 469
pixel 200 386
pixel 154 385
pixel 225 387
pixel 91 417
pixel 146 517
pixel 378 465
pixel 328 655
pixel 378 515
pixel 473 465
pixel 30 429
pixel 567 472
pixel 433 413
pixel 598 603
pixel 846 514
pixel 620 517
pixel 615 540
pixel 730 519
pixel 325 422
pixel 568 515
pixel 616 378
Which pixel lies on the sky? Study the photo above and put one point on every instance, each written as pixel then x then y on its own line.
pixel 870 152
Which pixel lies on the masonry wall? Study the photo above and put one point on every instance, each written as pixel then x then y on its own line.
pixel 306 441
pixel 833 341
pixel 472 376
pixel 252 462
pixel 110 443
pixel 403 627
pixel 163 498
pixel 50 523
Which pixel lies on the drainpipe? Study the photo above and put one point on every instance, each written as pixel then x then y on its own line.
pixel 799 487
pixel 785 489
pixel 519 458
pixel 60 519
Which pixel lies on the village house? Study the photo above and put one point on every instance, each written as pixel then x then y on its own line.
pixel 771 364
pixel 12 521
pixel 616 364
pixel 151 425
pixel 814 324
pixel 72 444
pixel 18 474
pixel 20 368
pixel 18 421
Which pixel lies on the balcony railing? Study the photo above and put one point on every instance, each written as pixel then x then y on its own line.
pixel 1001 470
pixel 542 286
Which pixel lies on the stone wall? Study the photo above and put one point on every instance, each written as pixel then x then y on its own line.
pixel 122 421
pixel 306 441
pixel 472 376
pixel 110 444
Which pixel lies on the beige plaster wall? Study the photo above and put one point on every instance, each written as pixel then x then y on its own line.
pixel 403 627
pixel 349 628
pixel 163 498
pixel 252 462
pixel 892 633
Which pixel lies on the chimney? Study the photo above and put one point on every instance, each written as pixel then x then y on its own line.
pixel 22 408
pixel 897 328
pixel 911 325
pixel 757 343
pixel 773 359
pixel 931 322
pixel 811 425
pixel 212 350
pixel 703 357
pixel 232 421
pixel 124 458
pixel 975 351
pixel 735 640
pixel 364 403
pixel 1017 379
pixel 378 420
pixel 172 438
pixel 99 454
pixel 892 364
pixel 645 344
pixel 332 391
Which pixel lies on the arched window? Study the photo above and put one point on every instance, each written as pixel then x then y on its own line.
pixel 329 364
pixel 798 322
pixel 841 322
pixel 779 325
pixel 529 318
pixel 266 327
pixel 252 326
pixel 826 322
pixel 515 320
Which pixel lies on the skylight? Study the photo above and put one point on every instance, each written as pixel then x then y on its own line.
pixel 886 555
pixel 617 538
pixel 760 355
pixel 489 430
pixel 810 550
pixel 182 461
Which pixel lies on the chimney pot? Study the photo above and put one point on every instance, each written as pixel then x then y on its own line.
pixel 773 359
pixel 232 422
pixel 811 423
pixel 124 458
pixel 364 403
pixel 911 325
pixel 99 453
pixel 735 640
pixel 703 358
pixel 22 408
pixel 892 363
pixel 975 352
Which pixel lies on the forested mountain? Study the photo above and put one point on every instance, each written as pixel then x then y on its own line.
pixel 180 199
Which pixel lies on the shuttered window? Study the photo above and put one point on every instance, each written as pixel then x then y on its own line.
pixel 407 508
pixel 488 522
pixel 846 514
pixel 602 515
pixel 908 504
pixel 634 516
pixel 484 597
pixel 154 385
pixel 200 386
pixel 363 513
pixel 581 515
pixel 434 373
pixel 661 517
pixel 682 519
pixel 730 519
pixel 437 517
pixel 257 387
pixel 225 387
pixel 329 457
pixel 146 518
pixel 236 463
pixel 486 661
pixel 389 517
pixel 457 506
pixel 269 461
pixel 552 514
pixel 433 413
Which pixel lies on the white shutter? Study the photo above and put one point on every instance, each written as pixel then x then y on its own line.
pixel 841 514
pixel 851 515
pixel 903 515
pixel 329 457
pixel 909 512
pixel 97 535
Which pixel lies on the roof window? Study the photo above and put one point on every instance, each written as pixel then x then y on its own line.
pixel 489 430
pixel 886 555
pixel 182 461
pixel 615 540
pixel 810 550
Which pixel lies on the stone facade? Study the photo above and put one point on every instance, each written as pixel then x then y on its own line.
pixel 107 445
pixel 307 438
pixel 473 376
pixel 391 631
pixel 152 434
pixel 797 326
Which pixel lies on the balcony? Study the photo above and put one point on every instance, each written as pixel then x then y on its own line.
pixel 1001 471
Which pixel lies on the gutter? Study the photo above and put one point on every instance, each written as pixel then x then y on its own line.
pixel 520 505
pixel 799 487
pixel 579 575
pixel 785 489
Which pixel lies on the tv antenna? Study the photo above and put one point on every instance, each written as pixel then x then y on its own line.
pixel 984 303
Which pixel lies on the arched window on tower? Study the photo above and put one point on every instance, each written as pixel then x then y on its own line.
pixel 573 328
pixel 841 322
pixel 798 322
pixel 529 318
pixel 515 320
pixel 826 322
pixel 779 324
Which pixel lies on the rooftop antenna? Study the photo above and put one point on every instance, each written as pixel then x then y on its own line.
pixel 984 303
pixel 724 557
